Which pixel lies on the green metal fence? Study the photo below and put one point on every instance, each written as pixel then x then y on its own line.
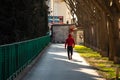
pixel 14 57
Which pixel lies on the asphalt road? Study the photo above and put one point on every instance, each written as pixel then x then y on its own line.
pixel 54 65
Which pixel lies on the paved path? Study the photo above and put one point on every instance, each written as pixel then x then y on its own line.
pixel 54 65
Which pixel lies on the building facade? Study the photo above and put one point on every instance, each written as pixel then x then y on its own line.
pixel 58 8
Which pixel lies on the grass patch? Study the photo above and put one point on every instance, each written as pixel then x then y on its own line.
pixel 104 67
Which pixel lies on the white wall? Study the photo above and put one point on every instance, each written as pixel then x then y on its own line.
pixel 60 9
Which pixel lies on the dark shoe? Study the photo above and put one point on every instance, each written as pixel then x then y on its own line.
pixel 70 57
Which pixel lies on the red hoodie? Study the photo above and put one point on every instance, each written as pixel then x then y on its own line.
pixel 69 41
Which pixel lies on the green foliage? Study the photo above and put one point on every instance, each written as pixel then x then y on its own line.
pixel 22 20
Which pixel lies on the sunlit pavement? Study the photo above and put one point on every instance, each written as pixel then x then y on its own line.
pixel 54 65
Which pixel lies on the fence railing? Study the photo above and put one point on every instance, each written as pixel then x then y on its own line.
pixel 14 57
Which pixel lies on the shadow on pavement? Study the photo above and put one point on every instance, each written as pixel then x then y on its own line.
pixel 54 65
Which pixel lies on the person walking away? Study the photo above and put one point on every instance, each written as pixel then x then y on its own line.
pixel 69 43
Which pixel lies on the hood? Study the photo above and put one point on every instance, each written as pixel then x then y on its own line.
pixel 69 35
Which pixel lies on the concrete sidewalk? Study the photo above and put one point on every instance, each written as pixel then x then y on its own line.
pixel 54 65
